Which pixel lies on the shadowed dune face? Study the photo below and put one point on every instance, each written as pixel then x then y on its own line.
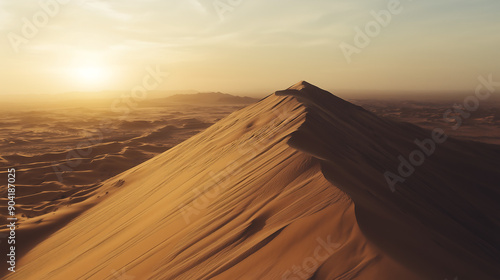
pixel 441 220
pixel 292 187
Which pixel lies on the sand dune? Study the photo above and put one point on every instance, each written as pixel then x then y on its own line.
pixel 62 161
pixel 292 187
pixel 209 98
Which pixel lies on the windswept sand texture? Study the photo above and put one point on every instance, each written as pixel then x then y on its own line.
pixel 63 155
pixel 289 188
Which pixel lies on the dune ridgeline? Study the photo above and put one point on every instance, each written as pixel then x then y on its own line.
pixel 301 185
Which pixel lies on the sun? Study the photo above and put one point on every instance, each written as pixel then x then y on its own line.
pixel 91 74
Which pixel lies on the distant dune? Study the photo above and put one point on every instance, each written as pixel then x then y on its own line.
pixel 482 125
pixel 291 187
pixel 211 98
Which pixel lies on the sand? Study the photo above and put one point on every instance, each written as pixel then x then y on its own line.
pixel 480 125
pixel 292 187
pixel 63 154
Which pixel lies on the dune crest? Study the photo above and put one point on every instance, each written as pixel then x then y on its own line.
pixel 289 188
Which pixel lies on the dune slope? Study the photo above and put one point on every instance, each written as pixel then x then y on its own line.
pixel 292 187
pixel 442 220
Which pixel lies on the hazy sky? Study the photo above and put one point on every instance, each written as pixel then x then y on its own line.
pixel 247 46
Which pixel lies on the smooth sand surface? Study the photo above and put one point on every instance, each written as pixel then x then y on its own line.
pixel 289 188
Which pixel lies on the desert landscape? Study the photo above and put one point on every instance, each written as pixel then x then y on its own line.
pixel 291 187
pixel 64 156
pixel 252 140
pixel 482 125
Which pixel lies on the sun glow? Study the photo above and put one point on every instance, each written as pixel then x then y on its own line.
pixel 91 75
